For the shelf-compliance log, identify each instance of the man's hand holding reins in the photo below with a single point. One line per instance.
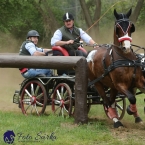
(95, 45)
(70, 42)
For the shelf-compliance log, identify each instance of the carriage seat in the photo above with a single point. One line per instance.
(61, 49)
(64, 51)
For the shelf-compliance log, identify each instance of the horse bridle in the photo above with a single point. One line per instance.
(125, 37)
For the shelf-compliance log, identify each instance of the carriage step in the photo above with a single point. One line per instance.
(16, 97)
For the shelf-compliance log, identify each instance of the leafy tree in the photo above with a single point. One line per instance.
(137, 10)
(141, 17)
(20, 16)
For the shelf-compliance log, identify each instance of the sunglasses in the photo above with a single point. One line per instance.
(67, 21)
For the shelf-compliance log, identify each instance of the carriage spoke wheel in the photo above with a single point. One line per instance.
(33, 98)
(120, 107)
(61, 100)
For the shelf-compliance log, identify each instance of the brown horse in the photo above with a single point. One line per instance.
(114, 67)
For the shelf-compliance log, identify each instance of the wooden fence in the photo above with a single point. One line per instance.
(57, 62)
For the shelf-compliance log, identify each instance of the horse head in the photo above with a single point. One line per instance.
(122, 30)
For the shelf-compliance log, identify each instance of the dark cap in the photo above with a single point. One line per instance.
(32, 33)
(68, 16)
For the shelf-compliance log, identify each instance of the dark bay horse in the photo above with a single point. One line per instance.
(114, 67)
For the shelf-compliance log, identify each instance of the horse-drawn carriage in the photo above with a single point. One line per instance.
(115, 71)
(58, 92)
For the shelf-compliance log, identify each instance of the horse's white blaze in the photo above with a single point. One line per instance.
(91, 55)
(126, 44)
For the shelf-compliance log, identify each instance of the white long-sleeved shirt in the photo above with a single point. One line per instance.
(31, 47)
(58, 37)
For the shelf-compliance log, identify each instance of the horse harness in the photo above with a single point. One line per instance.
(125, 62)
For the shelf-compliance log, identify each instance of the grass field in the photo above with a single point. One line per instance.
(50, 129)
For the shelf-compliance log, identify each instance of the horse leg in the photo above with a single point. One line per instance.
(109, 102)
(132, 109)
(101, 92)
(112, 109)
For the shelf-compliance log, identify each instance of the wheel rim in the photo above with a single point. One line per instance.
(120, 107)
(61, 100)
(33, 98)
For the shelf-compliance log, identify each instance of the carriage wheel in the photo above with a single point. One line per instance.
(33, 98)
(120, 107)
(61, 100)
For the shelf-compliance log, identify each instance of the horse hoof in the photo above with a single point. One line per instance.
(128, 111)
(118, 124)
(138, 120)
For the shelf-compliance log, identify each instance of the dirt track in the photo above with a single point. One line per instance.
(10, 78)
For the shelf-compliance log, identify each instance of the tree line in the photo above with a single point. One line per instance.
(45, 16)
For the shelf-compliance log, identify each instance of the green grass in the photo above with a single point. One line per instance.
(65, 130)
(98, 131)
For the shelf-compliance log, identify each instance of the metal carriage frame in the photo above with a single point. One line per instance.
(58, 92)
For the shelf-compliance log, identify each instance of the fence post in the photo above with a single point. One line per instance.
(81, 114)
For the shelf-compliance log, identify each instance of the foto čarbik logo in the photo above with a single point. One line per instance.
(9, 136)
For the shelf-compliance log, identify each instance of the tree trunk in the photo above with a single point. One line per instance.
(92, 29)
(86, 13)
(136, 11)
(97, 16)
(48, 19)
